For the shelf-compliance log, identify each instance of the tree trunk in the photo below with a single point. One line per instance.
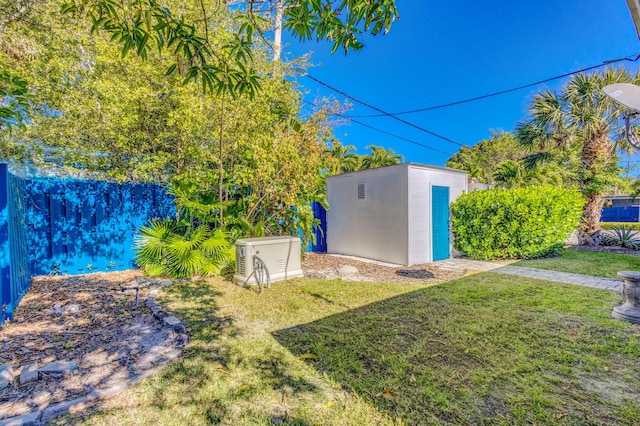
(590, 232)
(596, 153)
(220, 163)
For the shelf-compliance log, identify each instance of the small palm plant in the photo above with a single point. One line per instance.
(622, 236)
(191, 244)
(176, 249)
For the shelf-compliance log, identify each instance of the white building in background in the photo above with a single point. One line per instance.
(397, 214)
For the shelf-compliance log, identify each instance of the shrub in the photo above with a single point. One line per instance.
(623, 236)
(177, 249)
(192, 244)
(524, 222)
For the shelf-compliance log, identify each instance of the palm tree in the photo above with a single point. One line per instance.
(508, 174)
(344, 157)
(581, 118)
(380, 157)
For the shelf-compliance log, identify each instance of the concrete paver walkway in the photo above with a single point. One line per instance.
(540, 274)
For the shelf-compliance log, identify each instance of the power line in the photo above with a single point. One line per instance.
(385, 132)
(398, 137)
(630, 58)
(384, 113)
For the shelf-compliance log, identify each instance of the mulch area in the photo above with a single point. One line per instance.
(85, 319)
(373, 272)
(608, 249)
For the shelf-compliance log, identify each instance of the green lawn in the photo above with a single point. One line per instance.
(483, 349)
(586, 262)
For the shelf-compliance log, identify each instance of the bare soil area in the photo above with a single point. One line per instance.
(87, 320)
(608, 249)
(326, 266)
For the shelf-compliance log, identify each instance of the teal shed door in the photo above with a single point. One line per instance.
(440, 222)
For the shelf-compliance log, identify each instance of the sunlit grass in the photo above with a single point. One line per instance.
(484, 349)
(600, 264)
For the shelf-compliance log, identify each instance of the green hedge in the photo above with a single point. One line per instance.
(610, 225)
(515, 223)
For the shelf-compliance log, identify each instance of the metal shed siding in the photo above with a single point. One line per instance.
(420, 181)
(374, 227)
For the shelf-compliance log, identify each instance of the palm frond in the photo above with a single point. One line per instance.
(215, 243)
(537, 159)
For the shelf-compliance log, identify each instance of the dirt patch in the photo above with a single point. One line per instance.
(327, 266)
(83, 319)
(609, 388)
(608, 249)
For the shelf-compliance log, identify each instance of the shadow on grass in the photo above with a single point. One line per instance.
(483, 349)
(204, 386)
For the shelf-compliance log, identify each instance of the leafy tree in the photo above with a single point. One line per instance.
(143, 25)
(580, 119)
(509, 174)
(14, 99)
(343, 159)
(124, 117)
(194, 52)
(484, 158)
(380, 157)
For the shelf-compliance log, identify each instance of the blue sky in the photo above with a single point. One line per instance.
(440, 52)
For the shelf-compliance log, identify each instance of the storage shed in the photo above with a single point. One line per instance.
(397, 214)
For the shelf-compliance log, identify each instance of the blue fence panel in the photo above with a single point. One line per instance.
(19, 264)
(50, 225)
(5, 249)
(620, 214)
(320, 231)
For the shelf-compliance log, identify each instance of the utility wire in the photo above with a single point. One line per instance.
(384, 131)
(398, 137)
(630, 58)
(384, 113)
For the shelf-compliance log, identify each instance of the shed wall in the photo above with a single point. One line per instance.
(420, 181)
(374, 227)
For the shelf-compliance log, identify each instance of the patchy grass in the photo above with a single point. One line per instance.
(600, 264)
(483, 349)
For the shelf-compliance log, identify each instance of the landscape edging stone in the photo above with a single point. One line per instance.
(39, 417)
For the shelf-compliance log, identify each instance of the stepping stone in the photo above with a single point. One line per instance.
(106, 392)
(171, 321)
(29, 373)
(24, 420)
(71, 309)
(175, 323)
(59, 367)
(346, 270)
(71, 406)
(6, 375)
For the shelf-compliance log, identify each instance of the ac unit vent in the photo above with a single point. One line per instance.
(278, 266)
(241, 261)
(361, 191)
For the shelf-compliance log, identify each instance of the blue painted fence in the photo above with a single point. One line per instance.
(51, 225)
(620, 214)
(320, 231)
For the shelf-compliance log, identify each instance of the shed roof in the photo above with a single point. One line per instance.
(409, 164)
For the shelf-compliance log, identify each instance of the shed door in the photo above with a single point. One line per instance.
(440, 222)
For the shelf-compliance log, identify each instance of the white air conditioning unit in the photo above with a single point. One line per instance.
(281, 256)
